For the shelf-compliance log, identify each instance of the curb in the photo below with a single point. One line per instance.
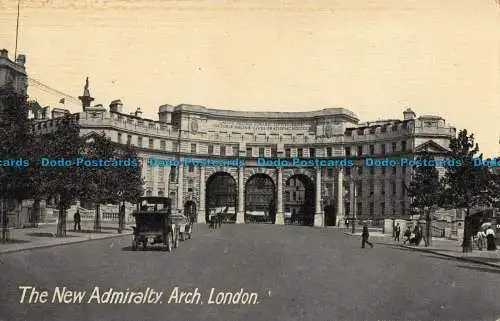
(459, 258)
(44, 246)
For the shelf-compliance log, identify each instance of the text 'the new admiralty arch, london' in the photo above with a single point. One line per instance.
(251, 193)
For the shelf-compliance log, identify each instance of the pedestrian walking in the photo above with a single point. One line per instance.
(347, 224)
(77, 220)
(407, 235)
(397, 232)
(490, 239)
(364, 237)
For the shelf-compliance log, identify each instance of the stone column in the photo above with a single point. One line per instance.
(201, 209)
(180, 186)
(340, 199)
(318, 213)
(240, 215)
(280, 217)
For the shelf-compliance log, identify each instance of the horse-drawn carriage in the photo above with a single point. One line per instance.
(156, 224)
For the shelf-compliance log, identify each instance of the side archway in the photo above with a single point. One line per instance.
(221, 196)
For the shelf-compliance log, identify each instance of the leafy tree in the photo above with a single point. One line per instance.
(15, 133)
(98, 182)
(424, 191)
(128, 181)
(64, 181)
(468, 185)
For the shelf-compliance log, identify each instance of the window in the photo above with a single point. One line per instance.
(372, 208)
(372, 186)
(382, 208)
(139, 141)
(359, 208)
(236, 151)
(210, 149)
(348, 151)
(382, 187)
(151, 143)
(119, 138)
(383, 170)
(163, 145)
(328, 152)
(287, 196)
(191, 168)
(403, 146)
(261, 151)
(249, 151)
(382, 149)
(190, 185)
(193, 148)
(359, 189)
(223, 150)
(394, 147)
(129, 139)
(360, 170)
(372, 170)
(360, 150)
(274, 152)
(174, 146)
(330, 172)
(372, 149)
(312, 152)
(394, 170)
(393, 187)
(348, 171)
(294, 196)
(173, 173)
(288, 153)
(299, 152)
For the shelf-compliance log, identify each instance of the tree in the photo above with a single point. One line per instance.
(64, 144)
(98, 181)
(468, 185)
(128, 181)
(424, 191)
(15, 133)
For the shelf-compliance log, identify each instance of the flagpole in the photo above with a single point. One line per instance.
(17, 29)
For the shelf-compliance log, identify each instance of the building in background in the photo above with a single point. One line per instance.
(295, 195)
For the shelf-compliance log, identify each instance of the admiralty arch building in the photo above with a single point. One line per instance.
(308, 195)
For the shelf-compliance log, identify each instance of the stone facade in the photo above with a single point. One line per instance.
(189, 131)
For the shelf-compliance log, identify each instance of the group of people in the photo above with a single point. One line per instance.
(414, 237)
(489, 235)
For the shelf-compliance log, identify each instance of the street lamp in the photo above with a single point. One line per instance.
(355, 208)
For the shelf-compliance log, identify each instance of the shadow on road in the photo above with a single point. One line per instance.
(14, 241)
(148, 249)
(481, 269)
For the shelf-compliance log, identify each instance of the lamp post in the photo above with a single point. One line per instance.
(355, 208)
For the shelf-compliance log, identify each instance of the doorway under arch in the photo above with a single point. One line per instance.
(298, 201)
(190, 211)
(221, 196)
(260, 199)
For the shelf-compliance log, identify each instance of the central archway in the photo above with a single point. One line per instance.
(299, 200)
(260, 203)
(221, 196)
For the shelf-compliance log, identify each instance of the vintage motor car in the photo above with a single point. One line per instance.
(155, 224)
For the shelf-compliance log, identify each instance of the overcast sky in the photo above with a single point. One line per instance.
(375, 58)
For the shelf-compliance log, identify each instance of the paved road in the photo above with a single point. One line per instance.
(298, 273)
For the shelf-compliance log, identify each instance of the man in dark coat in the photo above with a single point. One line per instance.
(77, 220)
(364, 237)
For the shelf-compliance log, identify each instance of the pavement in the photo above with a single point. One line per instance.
(296, 273)
(442, 247)
(45, 236)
